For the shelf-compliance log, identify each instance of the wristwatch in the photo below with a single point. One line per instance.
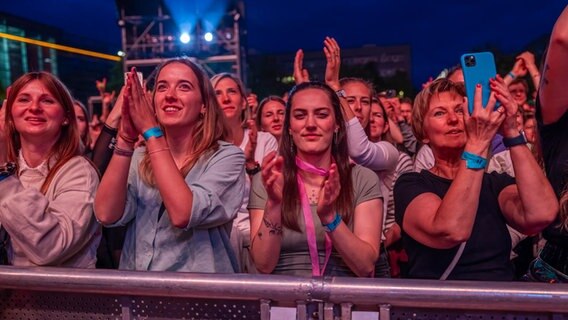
(341, 93)
(7, 170)
(511, 142)
(254, 170)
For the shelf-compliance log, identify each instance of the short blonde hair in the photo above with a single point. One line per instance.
(422, 102)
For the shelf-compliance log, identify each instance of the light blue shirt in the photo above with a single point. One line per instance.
(217, 183)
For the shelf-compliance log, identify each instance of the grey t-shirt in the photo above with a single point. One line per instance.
(294, 253)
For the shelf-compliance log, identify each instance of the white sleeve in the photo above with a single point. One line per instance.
(376, 156)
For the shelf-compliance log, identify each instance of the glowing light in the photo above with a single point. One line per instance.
(120, 53)
(60, 47)
(208, 36)
(185, 38)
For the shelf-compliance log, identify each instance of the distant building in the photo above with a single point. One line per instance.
(78, 72)
(272, 74)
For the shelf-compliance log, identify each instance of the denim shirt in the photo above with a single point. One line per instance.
(217, 183)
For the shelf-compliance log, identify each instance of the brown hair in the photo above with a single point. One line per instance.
(423, 98)
(339, 151)
(68, 144)
(263, 103)
(205, 134)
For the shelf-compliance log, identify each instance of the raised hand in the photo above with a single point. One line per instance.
(332, 54)
(482, 125)
(427, 83)
(328, 195)
(300, 74)
(250, 148)
(252, 102)
(509, 127)
(140, 108)
(519, 68)
(272, 176)
(101, 85)
(528, 58)
(113, 118)
(127, 130)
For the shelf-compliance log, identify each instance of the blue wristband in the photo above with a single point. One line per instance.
(332, 225)
(473, 161)
(512, 75)
(152, 132)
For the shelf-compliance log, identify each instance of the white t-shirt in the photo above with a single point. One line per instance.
(265, 143)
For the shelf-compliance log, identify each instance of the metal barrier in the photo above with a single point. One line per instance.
(42, 293)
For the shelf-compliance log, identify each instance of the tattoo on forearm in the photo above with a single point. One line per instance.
(273, 228)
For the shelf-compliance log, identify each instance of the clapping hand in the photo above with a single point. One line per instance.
(328, 194)
(300, 74)
(332, 54)
(273, 177)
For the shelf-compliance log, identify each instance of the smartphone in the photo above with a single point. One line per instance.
(140, 78)
(478, 68)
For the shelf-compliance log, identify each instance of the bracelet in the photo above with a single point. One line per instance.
(254, 170)
(155, 132)
(512, 75)
(159, 150)
(127, 139)
(330, 227)
(473, 161)
(122, 152)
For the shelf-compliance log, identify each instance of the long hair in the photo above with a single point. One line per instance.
(86, 140)
(261, 105)
(245, 114)
(68, 144)
(205, 134)
(339, 152)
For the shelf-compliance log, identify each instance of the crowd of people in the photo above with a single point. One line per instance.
(332, 179)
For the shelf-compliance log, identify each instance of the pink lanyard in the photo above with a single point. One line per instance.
(310, 228)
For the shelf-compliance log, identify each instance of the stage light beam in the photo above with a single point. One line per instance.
(185, 38)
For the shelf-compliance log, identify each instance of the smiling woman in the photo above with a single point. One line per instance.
(48, 189)
(184, 188)
(334, 228)
(454, 217)
(242, 132)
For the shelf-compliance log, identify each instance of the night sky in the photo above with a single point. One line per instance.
(438, 31)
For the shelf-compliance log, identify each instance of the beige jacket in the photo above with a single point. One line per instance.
(55, 229)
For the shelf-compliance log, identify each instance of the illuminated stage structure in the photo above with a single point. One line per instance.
(210, 31)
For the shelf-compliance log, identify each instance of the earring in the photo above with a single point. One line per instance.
(65, 122)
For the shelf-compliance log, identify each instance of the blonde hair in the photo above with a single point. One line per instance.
(205, 134)
(68, 144)
(220, 76)
(422, 102)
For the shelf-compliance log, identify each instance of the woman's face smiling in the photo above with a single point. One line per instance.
(37, 113)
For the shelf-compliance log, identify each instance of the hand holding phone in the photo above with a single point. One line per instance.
(478, 68)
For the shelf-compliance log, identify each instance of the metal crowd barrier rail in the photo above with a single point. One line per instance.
(41, 293)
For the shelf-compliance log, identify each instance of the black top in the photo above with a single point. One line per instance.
(554, 141)
(486, 254)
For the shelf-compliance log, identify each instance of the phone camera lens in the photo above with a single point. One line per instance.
(470, 61)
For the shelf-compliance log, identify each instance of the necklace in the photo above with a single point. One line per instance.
(313, 196)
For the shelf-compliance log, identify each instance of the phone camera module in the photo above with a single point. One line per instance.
(470, 61)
